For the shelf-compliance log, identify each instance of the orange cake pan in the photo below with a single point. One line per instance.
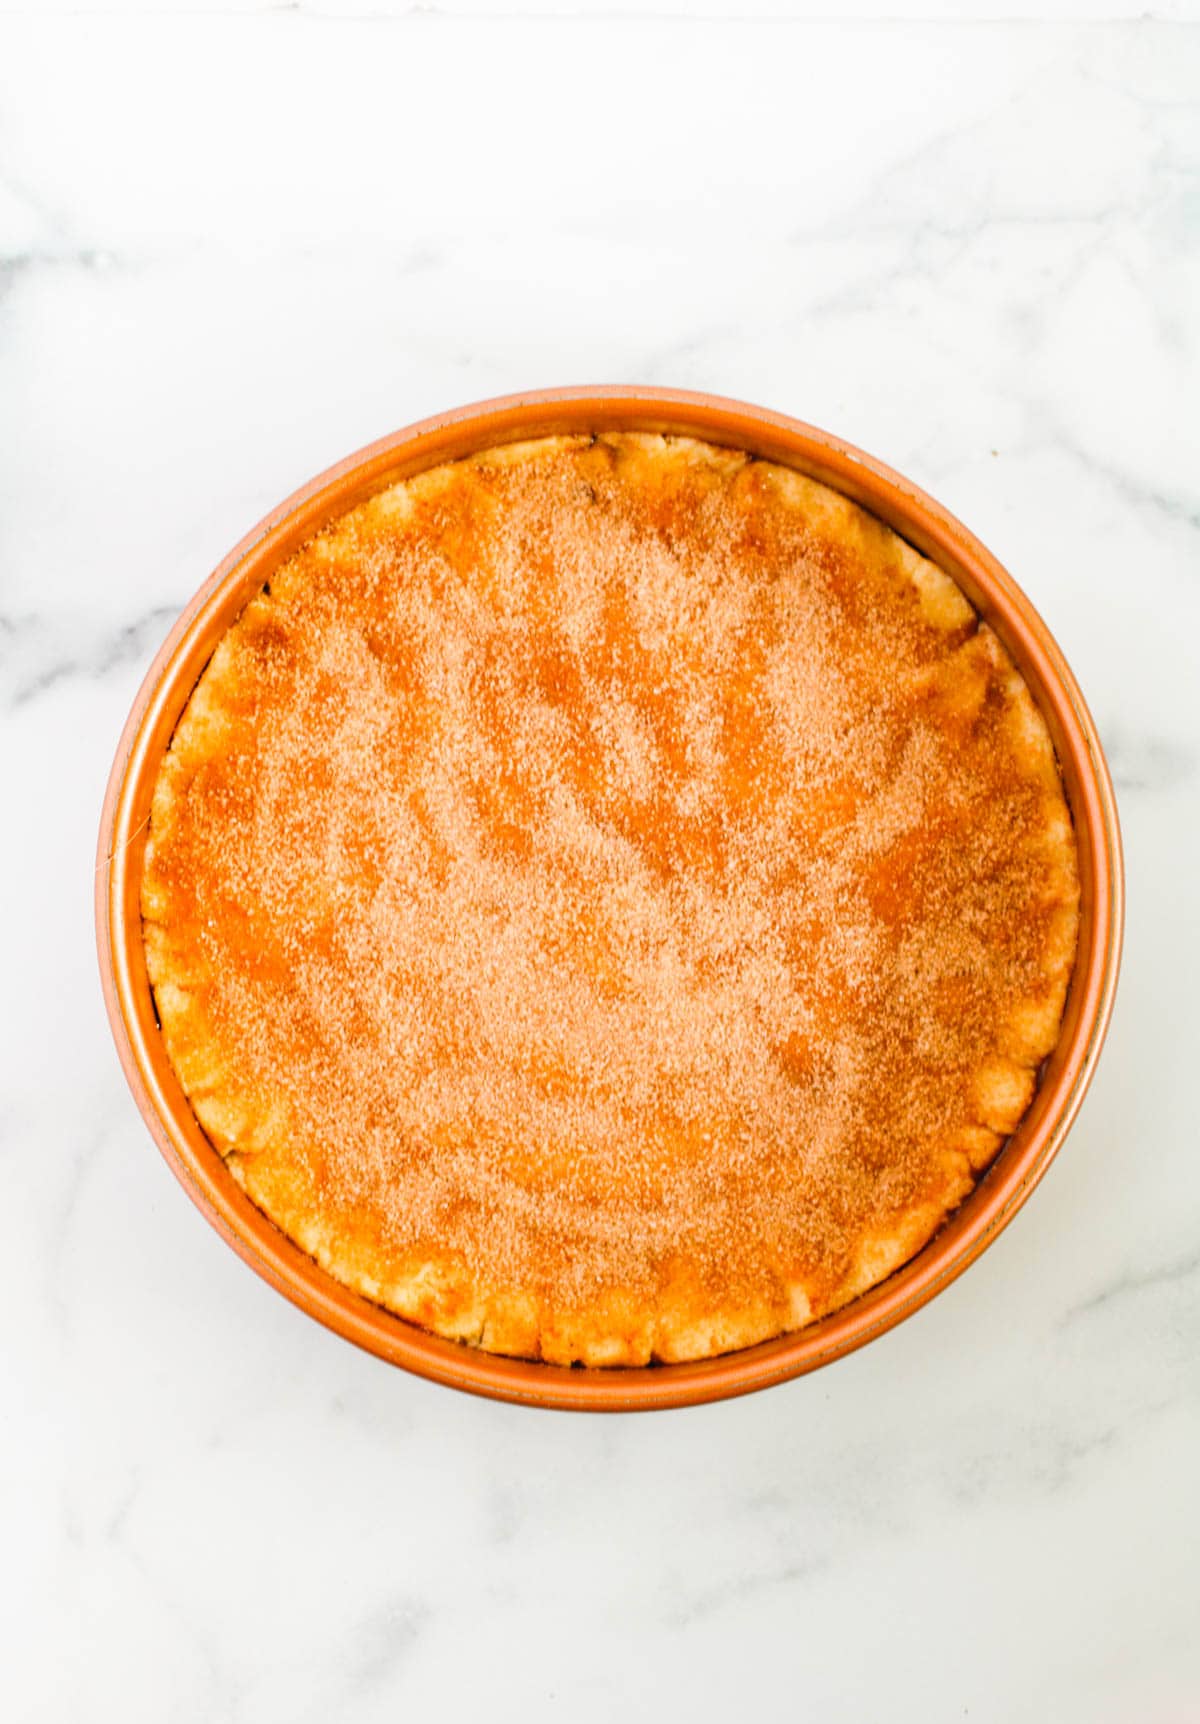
(186, 651)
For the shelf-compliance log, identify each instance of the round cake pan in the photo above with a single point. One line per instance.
(182, 658)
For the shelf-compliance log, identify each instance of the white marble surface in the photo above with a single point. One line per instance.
(234, 247)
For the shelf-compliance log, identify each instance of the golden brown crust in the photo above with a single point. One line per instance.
(609, 899)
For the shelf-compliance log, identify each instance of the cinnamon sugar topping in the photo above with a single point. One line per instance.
(615, 867)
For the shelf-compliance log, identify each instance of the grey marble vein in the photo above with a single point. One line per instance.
(693, 1603)
(38, 653)
(1148, 763)
(1169, 1274)
(383, 1641)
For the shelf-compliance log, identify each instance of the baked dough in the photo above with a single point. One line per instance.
(608, 899)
